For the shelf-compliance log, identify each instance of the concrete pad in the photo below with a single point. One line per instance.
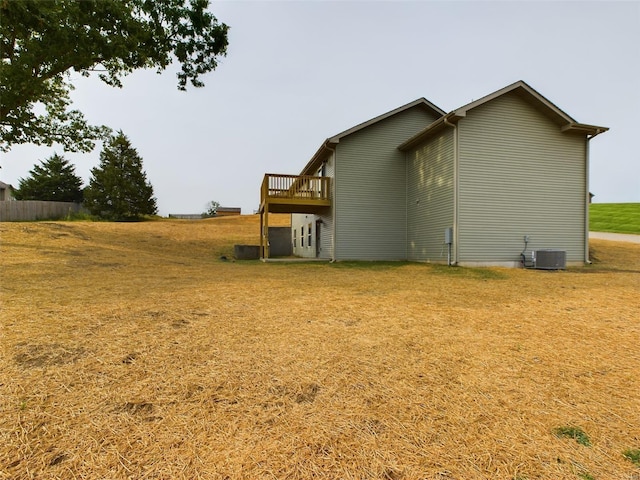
(615, 237)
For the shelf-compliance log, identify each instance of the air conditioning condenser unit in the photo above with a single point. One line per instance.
(550, 259)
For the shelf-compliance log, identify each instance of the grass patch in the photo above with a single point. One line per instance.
(576, 433)
(614, 217)
(633, 454)
(444, 270)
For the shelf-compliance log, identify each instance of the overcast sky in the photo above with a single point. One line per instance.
(298, 72)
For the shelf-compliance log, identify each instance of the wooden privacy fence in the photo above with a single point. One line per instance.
(29, 210)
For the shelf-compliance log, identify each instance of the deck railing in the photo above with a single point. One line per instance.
(294, 187)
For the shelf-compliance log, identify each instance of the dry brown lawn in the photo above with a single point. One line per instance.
(133, 351)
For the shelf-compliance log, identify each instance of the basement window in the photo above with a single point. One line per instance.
(302, 236)
(295, 233)
(309, 235)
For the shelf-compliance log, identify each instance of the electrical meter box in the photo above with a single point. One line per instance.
(448, 235)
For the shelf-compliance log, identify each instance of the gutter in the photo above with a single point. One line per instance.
(589, 130)
(597, 131)
(327, 147)
(420, 136)
(332, 149)
(587, 260)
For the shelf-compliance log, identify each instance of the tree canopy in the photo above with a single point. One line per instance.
(211, 209)
(42, 42)
(54, 180)
(118, 188)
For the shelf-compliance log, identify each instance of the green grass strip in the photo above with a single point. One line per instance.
(614, 217)
(633, 455)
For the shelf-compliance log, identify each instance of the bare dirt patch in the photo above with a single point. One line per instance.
(132, 351)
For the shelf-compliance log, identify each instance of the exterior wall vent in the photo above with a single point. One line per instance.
(550, 259)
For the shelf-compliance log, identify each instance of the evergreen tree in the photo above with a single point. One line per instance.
(54, 180)
(118, 189)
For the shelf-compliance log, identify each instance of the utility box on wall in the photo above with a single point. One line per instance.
(246, 252)
(448, 235)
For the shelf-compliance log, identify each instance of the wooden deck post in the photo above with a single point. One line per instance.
(266, 231)
(261, 238)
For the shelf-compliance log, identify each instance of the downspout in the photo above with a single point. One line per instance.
(455, 189)
(587, 202)
(406, 206)
(587, 260)
(333, 203)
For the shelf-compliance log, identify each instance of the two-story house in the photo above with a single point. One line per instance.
(476, 186)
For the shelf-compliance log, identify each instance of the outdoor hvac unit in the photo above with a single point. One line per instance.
(550, 259)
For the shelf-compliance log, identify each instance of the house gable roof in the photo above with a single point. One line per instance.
(524, 91)
(327, 146)
(421, 101)
(527, 93)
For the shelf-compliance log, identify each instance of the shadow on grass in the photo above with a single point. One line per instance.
(428, 268)
(434, 269)
(471, 272)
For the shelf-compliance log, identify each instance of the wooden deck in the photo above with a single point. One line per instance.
(294, 193)
(290, 194)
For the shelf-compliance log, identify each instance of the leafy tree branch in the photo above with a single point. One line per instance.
(42, 42)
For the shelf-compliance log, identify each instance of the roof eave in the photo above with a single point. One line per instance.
(522, 87)
(436, 126)
(562, 118)
(330, 143)
(583, 128)
(321, 154)
(421, 101)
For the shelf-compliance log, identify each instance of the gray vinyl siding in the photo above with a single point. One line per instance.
(518, 175)
(370, 188)
(299, 220)
(308, 249)
(430, 190)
